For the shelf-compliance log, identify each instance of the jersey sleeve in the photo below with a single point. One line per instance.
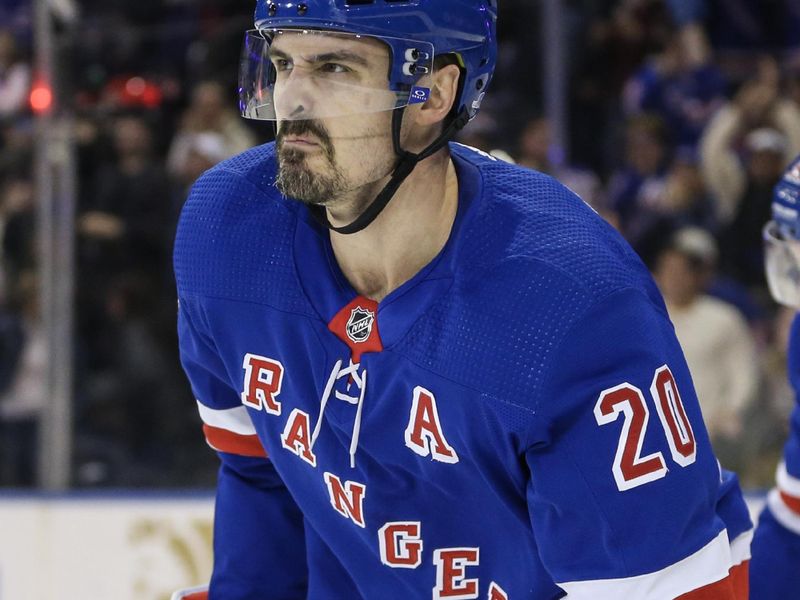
(259, 549)
(788, 476)
(226, 423)
(625, 495)
(776, 546)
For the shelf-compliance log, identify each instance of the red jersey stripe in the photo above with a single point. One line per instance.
(734, 587)
(234, 443)
(197, 593)
(791, 502)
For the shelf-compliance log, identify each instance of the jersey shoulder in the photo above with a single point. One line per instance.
(235, 235)
(533, 262)
(529, 218)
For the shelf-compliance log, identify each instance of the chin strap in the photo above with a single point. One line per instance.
(408, 161)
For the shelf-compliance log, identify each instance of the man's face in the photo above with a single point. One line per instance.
(334, 131)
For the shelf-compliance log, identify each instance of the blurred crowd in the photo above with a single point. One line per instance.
(682, 115)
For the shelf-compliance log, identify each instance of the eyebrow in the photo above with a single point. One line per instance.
(340, 56)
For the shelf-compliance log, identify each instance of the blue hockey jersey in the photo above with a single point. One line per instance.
(515, 421)
(775, 569)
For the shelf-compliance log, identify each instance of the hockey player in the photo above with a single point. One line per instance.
(428, 373)
(776, 545)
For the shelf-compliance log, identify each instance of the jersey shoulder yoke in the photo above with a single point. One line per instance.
(236, 233)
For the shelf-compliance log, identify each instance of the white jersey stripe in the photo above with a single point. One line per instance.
(787, 483)
(235, 420)
(740, 548)
(706, 566)
(782, 513)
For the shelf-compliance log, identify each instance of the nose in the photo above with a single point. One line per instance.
(294, 96)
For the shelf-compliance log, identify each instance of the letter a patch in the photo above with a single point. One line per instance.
(296, 437)
(424, 433)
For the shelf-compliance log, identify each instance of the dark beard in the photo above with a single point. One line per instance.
(295, 179)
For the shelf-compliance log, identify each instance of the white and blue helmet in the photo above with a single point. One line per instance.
(782, 239)
(415, 32)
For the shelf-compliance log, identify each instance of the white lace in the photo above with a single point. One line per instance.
(360, 379)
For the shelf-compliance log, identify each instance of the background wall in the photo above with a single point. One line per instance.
(120, 547)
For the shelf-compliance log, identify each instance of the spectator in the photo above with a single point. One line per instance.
(15, 78)
(680, 201)
(17, 223)
(681, 84)
(716, 341)
(639, 187)
(24, 400)
(757, 104)
(765, 155)
(124, 226)
(128, 219)
(686, 200)
(208, 112)
(618, 38)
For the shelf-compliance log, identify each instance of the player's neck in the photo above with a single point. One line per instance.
(406, 236)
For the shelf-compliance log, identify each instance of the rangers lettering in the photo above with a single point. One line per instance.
(262, 383)
(424, 433)
(451, 581)
(496, 592)
(296, 437)
(401, 544)
(347, 499)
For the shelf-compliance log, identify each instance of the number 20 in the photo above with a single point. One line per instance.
(631, 469)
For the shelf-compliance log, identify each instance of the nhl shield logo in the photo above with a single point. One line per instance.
(359, 326)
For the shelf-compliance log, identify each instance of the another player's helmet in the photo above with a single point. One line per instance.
(415, 31)
(782, 239)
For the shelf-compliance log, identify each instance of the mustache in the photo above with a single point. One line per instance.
(305, 127)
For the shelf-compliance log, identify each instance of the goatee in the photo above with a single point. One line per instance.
(295, 178)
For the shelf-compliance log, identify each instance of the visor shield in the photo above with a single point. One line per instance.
(782, 262)
(299, 74)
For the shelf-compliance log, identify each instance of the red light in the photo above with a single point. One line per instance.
(41, 98)
(136, 86)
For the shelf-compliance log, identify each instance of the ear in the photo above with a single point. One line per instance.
(444, 89)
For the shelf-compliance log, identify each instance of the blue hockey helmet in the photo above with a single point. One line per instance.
(415, 31)
(782, 239)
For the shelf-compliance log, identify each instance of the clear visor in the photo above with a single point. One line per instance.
(782, 261)
(297, 74)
